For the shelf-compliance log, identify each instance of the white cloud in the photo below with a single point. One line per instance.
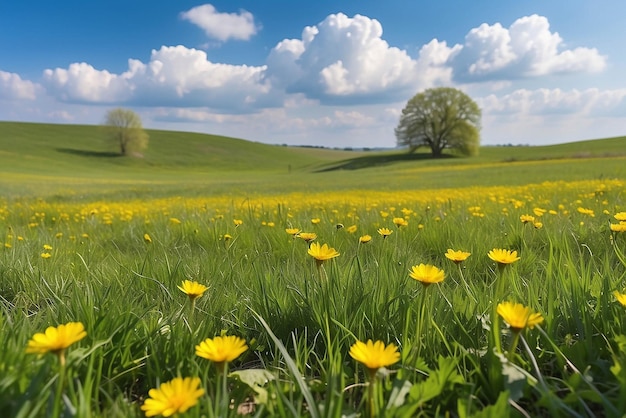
(222, 26)
(526, 49)
(12, 86)
(345, 60)
(174, 76)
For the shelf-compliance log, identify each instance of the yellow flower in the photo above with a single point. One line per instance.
(385, 232)
(7, 245)
(426, 274)
(237, 222)
(621, 297)
(192, 289)
(175, 221)
(227, 237)
(456, 256)
(399, 222)
(365, 239)
(222, 349)
(538, 225)
(46, 255)
(374, 355)
(47, 247)
(322, 253)
(308, 236)
(56, 340)
(315, 221)
(585, 211)
(147, 238)
(620, 227)
(292, 231)
(503, 257)
(173, 397)
(621, 216)
(351, 229)
(527, 218)
(518, 316)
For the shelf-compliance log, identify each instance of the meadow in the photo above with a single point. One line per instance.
(217, 277)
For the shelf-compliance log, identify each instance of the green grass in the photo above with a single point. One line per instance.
(457, 356)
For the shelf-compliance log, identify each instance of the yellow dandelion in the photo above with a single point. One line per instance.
(322, 253)
(147, 238)
(621, 297)
(175, 221)
(456, 256)
(385, 232)
(56, 339)
(400, 222)
(351, 229)
(518, 316)
(374, 355)
(620, 216)
(192, 289)
(426, 274)
(315, 221)
(527, 218)
(292, 231)
(503, 257)
(47, 247)
(620, 227)
(221, 349)
(46, 255)
(173, 397)
(308, 236)
(364, 239)
(238, 222)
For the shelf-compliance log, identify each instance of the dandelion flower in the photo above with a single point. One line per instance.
(308, 236)
(56, 339)
(46, 255)
(351, 229)
(175, 221)
(518, 316)
(385, 232)
(620, 216)
(527, 218)
(400, 222)
(620, 227)
(621, 297)
(292, 231)
(315, 221)
(173, 397)
(322, 253)
(192, 289)
(221, 349)
(456, 256)
(147, 238)
(426, 274)
(47, 247)
(227, 237)
(365, 239)
(374, 355)
(238, 222)
(503, 257)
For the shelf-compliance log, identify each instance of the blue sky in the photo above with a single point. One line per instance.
(325, 73)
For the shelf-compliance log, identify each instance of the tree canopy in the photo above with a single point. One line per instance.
(123, 126)
(440, 118)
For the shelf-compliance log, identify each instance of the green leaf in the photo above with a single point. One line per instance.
(255, 379)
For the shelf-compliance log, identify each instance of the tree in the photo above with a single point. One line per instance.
(123, 126)
(440, 118)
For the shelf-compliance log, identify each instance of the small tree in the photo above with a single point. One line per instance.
(440, 118)
(123, 126)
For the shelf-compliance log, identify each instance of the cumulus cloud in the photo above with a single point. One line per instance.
(174, 76)
(12, 86)
(222, 26)
(526, 49)
(553, 101)
(346, 60)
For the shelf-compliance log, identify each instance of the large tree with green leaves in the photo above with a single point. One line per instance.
(440, 118)
(124, 128)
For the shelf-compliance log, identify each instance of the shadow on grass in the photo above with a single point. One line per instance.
(379, 160)
(86, 153)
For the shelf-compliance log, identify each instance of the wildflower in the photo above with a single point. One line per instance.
(315, 221)
(456, 256)
(237, 222)
(46, 255)
(518, 316)
(584, 211)
(538, 225)
(308, 236)
(621, 297)
(56, 340)
(227, 237)
(539, 211)
(385, 232)
(400, 222)
(621, 216)
(7, 245)
(58, 235)
(175, 221)
(365, 239)
(47, 247)
(221, 349)
(426, 274)
(620, 227)
(374, 355)
(292, 231)
(173, 397)
(147, 239)
(527, 219)
(322, 253)
(192, 289)
(503, 257)
(351, 229)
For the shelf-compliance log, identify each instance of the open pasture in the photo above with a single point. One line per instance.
(111, 249)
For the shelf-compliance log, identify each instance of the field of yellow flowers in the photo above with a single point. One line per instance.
(470, 302)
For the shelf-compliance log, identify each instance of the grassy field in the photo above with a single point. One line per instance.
(108, 242)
